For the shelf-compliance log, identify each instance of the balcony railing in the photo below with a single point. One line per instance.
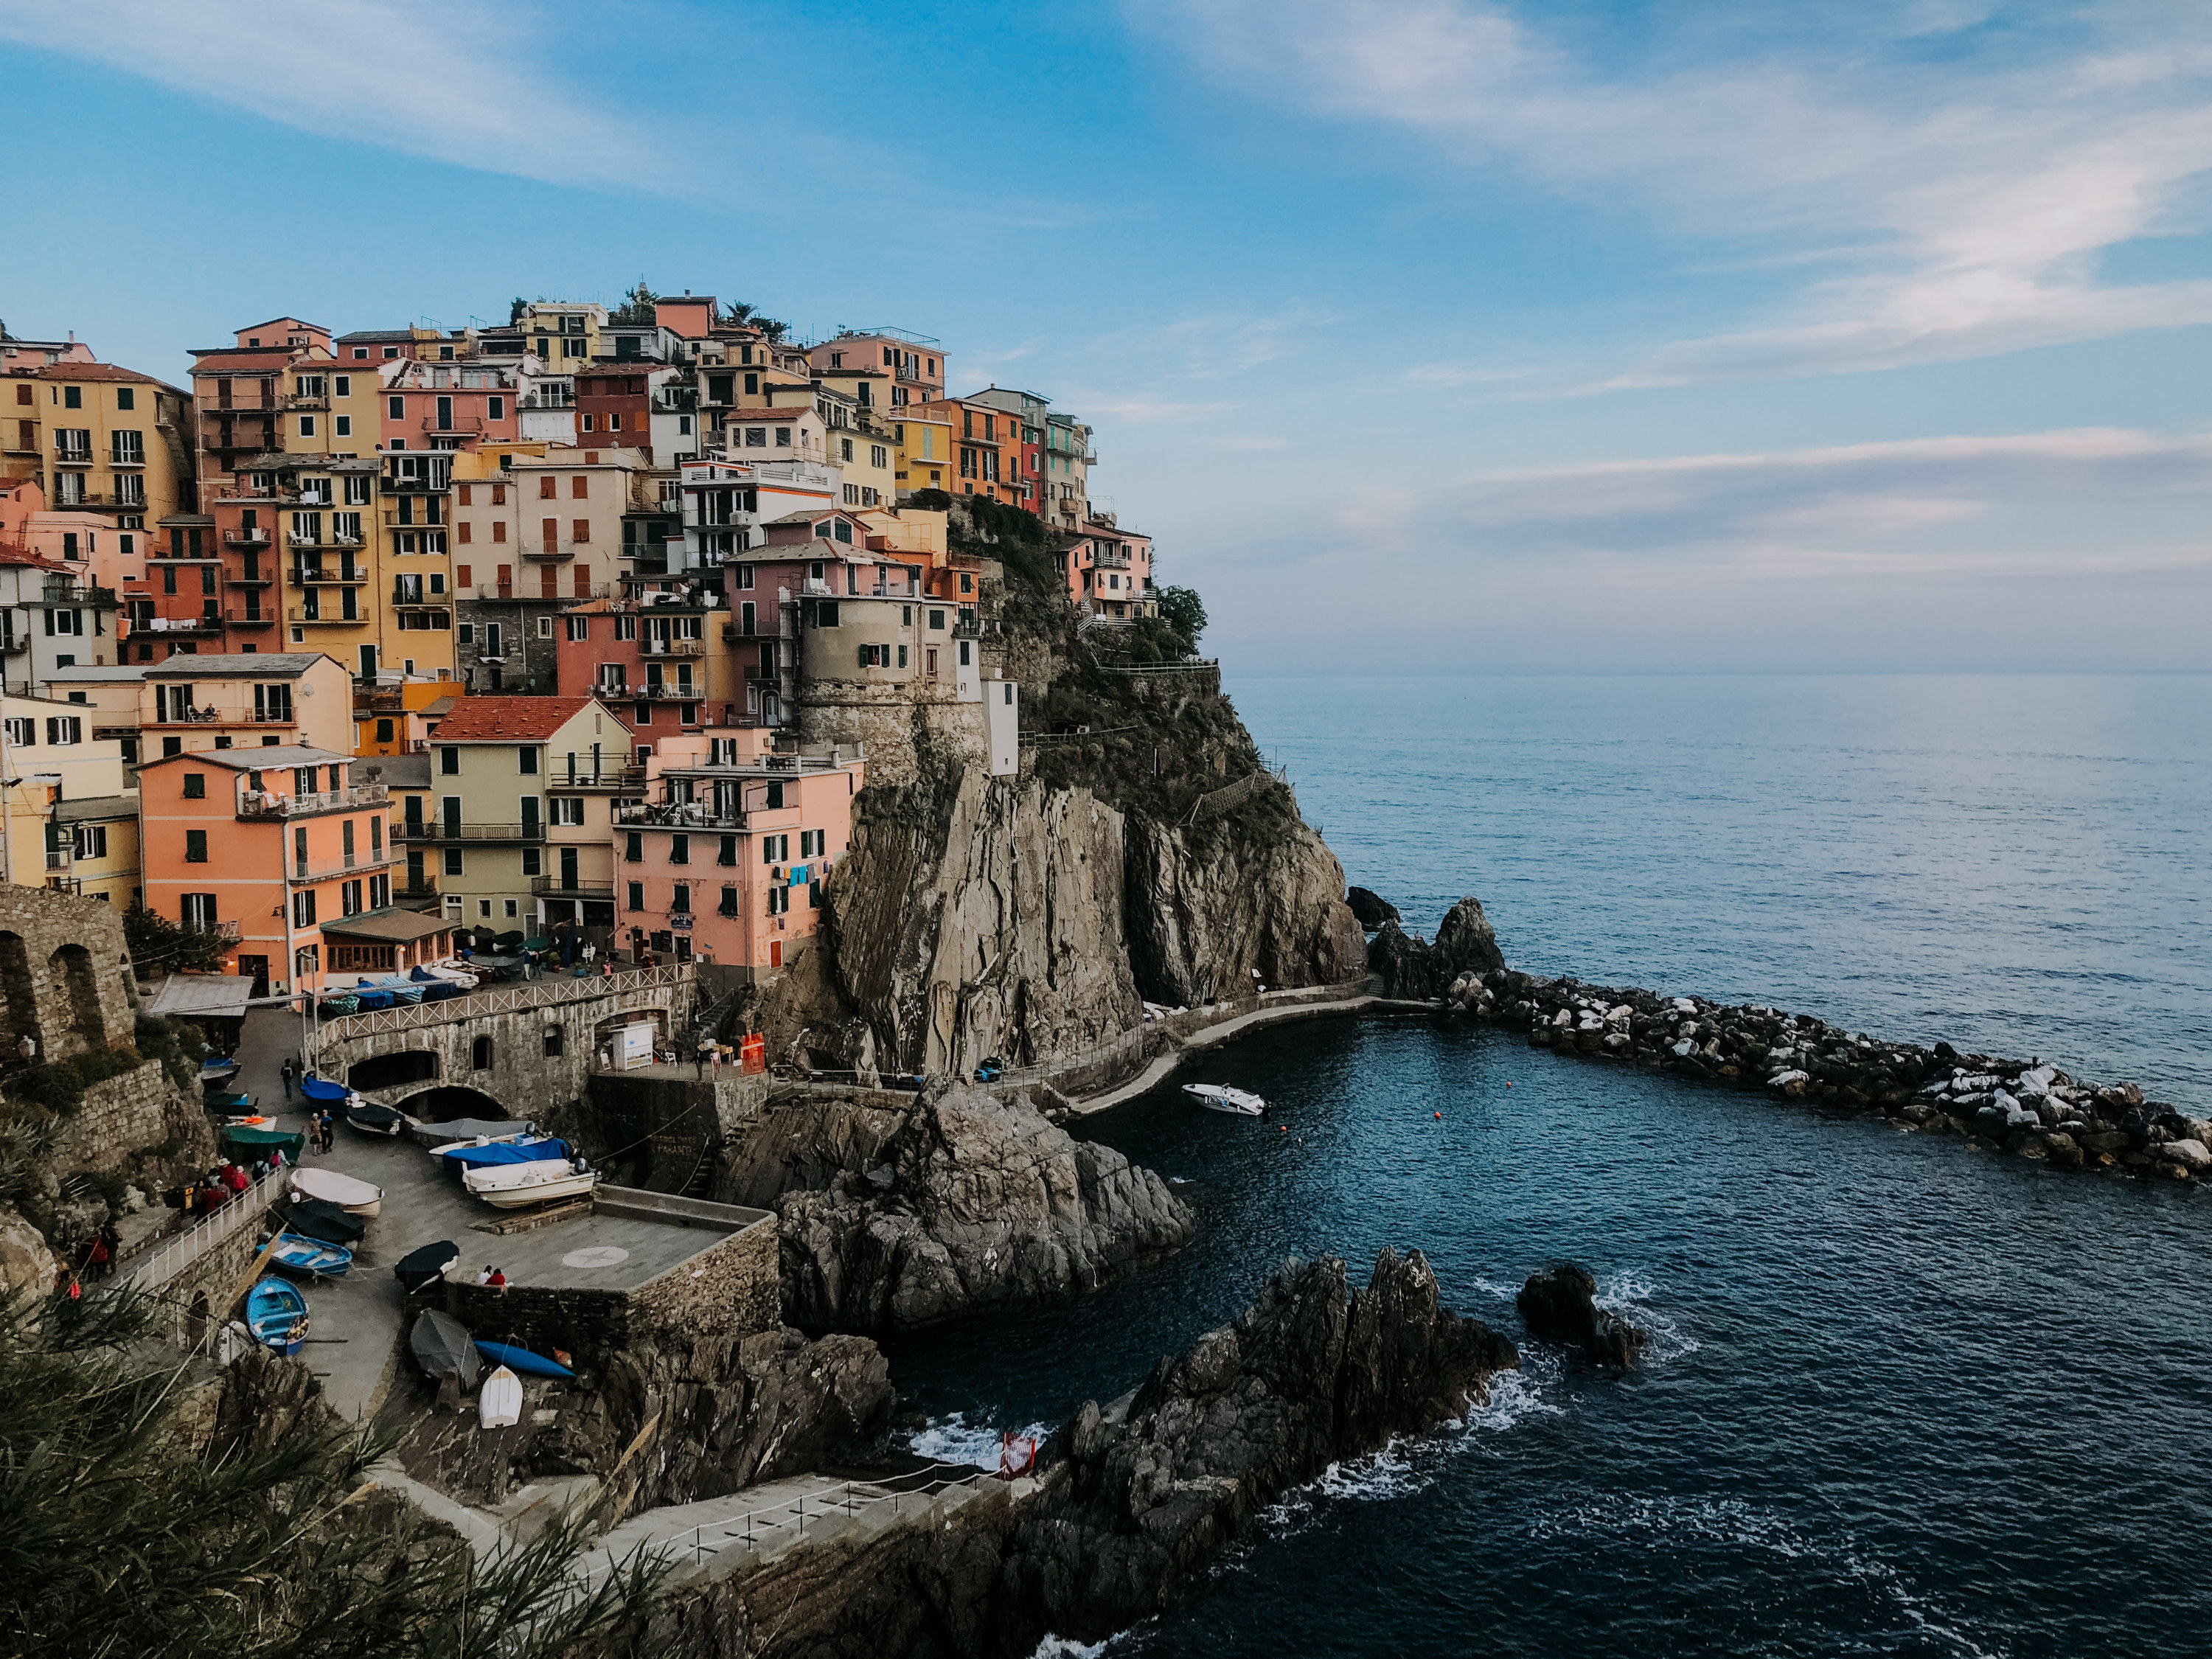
(544, 553)
(183, 627)
(264, 803)
(461, 832)
(216, 717)
(662, 814)
(225, 931)
(672, 648)
(666, 691)
(628, 777)
(460, 424)
(307, 575)
(298, 613)
(555, 887)
(70, 593)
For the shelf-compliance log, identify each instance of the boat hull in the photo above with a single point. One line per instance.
(522, 1360)
(499, 1404)
(537, 1192)
(1234, 1102)
(309, 1258)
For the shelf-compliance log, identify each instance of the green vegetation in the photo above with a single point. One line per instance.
(58, 1087)
(158, 945)
(174, 1043)
(751, 317)
(1183, 611)
(117, 1535)
(636, 307)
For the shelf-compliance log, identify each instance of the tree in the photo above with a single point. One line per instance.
(1183, 611)
(118, 1535)
(514, 311)
(159, 945)
(636, 307)
(746, 316)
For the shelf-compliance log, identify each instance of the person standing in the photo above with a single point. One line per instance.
(285, 1072)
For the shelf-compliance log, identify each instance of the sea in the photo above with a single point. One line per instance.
(1900, 1398)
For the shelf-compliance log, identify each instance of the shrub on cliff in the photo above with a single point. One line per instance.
(117, 1535)
(59, 1086)
(174, 1043)
(158, 945)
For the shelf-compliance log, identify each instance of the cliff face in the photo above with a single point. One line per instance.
(995, 931)
(1204, 918)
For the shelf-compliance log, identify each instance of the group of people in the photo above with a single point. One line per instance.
(491, 1277)
(226, 1181)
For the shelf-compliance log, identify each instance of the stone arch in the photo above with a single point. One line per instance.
(389, 1071)
(449, 1101)
(22, 992)
(71, 969)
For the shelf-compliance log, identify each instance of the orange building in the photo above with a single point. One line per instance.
(266, 847)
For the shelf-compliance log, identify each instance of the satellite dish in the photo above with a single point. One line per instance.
(307, 691)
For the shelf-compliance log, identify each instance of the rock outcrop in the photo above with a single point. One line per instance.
(1409, 966)
(994, 928)
(1208, 912)
(1134, 1498)
(979, 1204)
(1371, 909)
(1560, 1305)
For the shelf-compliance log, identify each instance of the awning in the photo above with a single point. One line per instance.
(390, 927)
(203, 996)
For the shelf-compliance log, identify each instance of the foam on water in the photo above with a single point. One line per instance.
(1627, 1295)
(953, 1439)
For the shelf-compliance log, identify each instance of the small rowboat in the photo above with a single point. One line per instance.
(294, 1252)
(276, 1314)
(374, 1120)
(218, 1072)
(500, 1405)
(354, 1197)
(442, 1348)
(320, 1218)
(521, 1359)
(1215, 1097)
(516, 1186)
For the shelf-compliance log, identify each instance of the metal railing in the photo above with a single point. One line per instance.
(509, 998)
(555, 887)
(178, 1252)
(836, 1504)
(269, 805)
(679, 817)
(461, 832)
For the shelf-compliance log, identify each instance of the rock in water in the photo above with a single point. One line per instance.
(1403, 962)
(1466, 943)
(1372, 908)
(1560, 1306)
(988, 1208)
(1136, 1501)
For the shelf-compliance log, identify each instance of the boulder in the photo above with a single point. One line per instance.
(1560, 1305)
(1466, 943)
(27, 1266)
(989, 1206)
(1405, 963)
(2192, 1155)
(1371, 909)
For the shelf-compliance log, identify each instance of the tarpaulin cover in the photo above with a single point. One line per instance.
(317, 1217)
(469, 1128)
(232, 1134)
(441, 1345)
(509, 1151)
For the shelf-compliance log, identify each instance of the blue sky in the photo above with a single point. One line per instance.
(1429, 336)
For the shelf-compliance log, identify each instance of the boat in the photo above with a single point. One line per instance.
(469, 1131)
(354, 1197)
(252, 1142)
(441, 1347)
(523, 1149)
(227, 1101)
(338, 1007)
(513, 1186)
(420, 1269)
(316, 1088)
(374, 1120)
(500, 1405)
(217, 1070)
(521, 1359)
(276, 1314)
(1215, 1098)
(317, 1217)
(296, 1253)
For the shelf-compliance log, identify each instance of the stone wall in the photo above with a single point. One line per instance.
(731, 1288)
(654, 1132)
(889, 720)
(65, 973)
(123, 1117)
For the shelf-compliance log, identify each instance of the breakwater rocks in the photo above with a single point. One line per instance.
(2024, 1106)
(1560, 1305)
(972, 1205)
(1133, 1498)
(1410, 967)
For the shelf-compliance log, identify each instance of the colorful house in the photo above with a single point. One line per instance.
(1109, 571)
(915, 362)
(69, 819)
(98, 439)
(286, 699)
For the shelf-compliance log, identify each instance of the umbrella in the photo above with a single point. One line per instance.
(427, 1266)
(320, 1218)
(441, 1345)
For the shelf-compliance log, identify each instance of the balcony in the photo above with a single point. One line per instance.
(304, 400)
(408, 591)
(226, 932)
(680, 691)
(70, 593)
(550, 555)
(215, 717)
(459, 426)
(451, 834)
(252, 579)
(616, 778)
(554, 887)
(298, 613)
(311, 575)
(180, 628)
(10, 646)
(264, 804)
(672, 648)
(680, 816)
(438, 483)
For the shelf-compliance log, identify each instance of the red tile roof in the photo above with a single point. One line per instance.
(765, 416)
(269, 357)
(87, 371)
(510, 719)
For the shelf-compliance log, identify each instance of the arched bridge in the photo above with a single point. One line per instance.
(525, 1047)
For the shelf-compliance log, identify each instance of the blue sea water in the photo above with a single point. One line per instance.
(1901, 1398)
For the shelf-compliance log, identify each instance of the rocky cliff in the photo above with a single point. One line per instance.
(978, 1205)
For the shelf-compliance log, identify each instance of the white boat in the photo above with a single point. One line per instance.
(512, 1186)
(500, 1405)
(354, 1197)
(1215, 1098)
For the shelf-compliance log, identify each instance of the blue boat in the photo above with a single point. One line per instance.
(530, 1151)
(294, 1252)
(276, 1314)
(370, 1001)
(438, 990)
(315, 1089)
(216, 1073)
(520, 1359)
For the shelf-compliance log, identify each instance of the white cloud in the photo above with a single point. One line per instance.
(1967, 202)
(450, 81)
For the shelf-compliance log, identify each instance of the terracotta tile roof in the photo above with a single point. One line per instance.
(219, 361)
(784, 414)
(511, 719)
(89, 372)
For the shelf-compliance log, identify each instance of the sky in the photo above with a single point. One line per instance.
(1426, 336)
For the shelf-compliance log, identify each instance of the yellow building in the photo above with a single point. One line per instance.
(564, 334)
(99, 438)
(67, 821)
(333, 407)
(923, 446)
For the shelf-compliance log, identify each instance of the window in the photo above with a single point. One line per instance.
(72, 397)
(633, 849)
(453, 860)
(396, 409)
(778, 899)
(545, 628)
(783, 437)
(480, 1054)
(525, 760)
(23, 733)
(774, 802)
(580, 529)
(579, 628)
(495, 407)
(878, 456)
(755, 437)
(745, 577)
(679, 897)
(533, 864)
(449, 760)
(91, 841)
(552, 1042)
(728, 855)
(729, 905)
(679, 849)
(774, 849)
(349, 899)
(580, 487)
(307, 426)
(125, 398)
(195, 786)
(196, 847)
(303, 909)
(64, 729)
(845, 449)
(810, 842)
(569, 809)
(637, 895)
